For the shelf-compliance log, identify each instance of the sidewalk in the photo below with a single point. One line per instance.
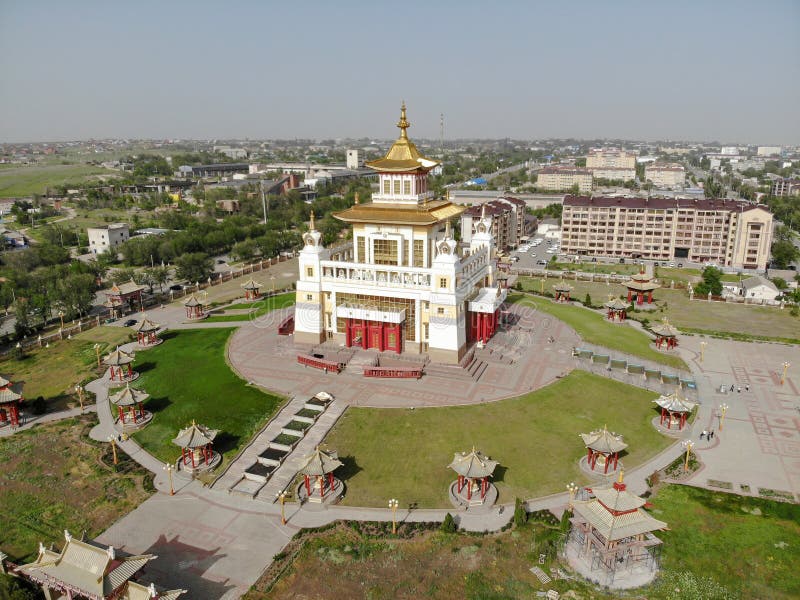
(6, 430)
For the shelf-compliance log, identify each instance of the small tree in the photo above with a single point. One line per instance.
(520, 514)
(588, 300)
(564, 525)
(449, 524)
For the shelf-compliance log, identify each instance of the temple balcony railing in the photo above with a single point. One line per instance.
(380, 276)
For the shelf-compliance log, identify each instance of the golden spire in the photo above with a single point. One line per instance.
(447, 230)
(312, 226)
(621, 475)
(356, 198)
(403, 124)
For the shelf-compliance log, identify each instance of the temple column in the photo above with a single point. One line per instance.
(605, 469)
(630, 295)
(469, 489)
(348, 332)
(308, 485)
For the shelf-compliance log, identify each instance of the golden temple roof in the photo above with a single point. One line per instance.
(665, 329)
(403, 156)
(473, 464)
(430, 213)
(603, 441)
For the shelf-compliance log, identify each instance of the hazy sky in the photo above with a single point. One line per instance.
(694, 69)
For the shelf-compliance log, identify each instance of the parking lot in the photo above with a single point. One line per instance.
(536, 254)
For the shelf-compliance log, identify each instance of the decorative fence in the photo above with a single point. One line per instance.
(319, 363)
(394, 372)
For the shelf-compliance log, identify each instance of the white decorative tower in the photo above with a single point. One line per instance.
(447, 333)
(308, 323)
(483, 238)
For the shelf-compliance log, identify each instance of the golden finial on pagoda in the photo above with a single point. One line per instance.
(403, 124)
(312, 226)
(447, 230)
(356, 198)
(621, 475)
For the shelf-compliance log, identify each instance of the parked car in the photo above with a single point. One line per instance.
(130, 323)
(541, 262)
(176, 288)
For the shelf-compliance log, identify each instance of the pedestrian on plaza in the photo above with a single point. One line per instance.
(731, 388)
(739, 389)
(747, 388)
(711, 435)
(702, 435)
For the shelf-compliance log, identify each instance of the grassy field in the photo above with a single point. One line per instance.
(188, 378)
(595, 329)
(404, 453)
(256, 309)
(25, 181)
(749, 546)
(694, 314)
(50, 372)
(54, 478)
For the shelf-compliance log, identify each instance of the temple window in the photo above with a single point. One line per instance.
(396, 187)
(442, 282)
(310, 271)
(407, 187)
(384, 252)
(386, 186)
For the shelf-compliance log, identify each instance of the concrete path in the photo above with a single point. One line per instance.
(6, 430)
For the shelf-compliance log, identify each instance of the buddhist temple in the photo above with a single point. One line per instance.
(196, 443)
(404, 284)
(675, 410)
(561, 292)
(120, 365)
(130, 414)
(602, 449)
(195, 307)
(617, 309)
(84, 569)
(611, 540)
(252, 289)
(474, 470)
(124, 298)
(666, 335)
(146, 332)
(10, 402)
(319, 467)
(641, 286)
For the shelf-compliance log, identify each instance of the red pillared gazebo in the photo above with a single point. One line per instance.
(129, 405)
(252, 289)
(603, 448)
(474, 470)
(120, 365)
(147, 332)
(675, 409)
(195, 307)
(196, 443)
(561, 292)
(9, 404)
(617, 309)
(319, 467)
(666, 335)
(640, 287)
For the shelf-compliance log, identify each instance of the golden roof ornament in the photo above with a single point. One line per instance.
(447, 230)
(403, 123)
(312, 227)
(356, 199)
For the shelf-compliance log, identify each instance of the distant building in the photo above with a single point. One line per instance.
(729, 150)
(665, 175)
(556, 179)
(759, 288)
(769, 150)
(786, 187)
(217, 170)
(610, 157)
(614, 173)
(355, 159)
(509, 224)
(103, 239)
(235, 153)
(732, 233)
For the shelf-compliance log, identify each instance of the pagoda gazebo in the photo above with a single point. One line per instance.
(602, 449)
(611, 540)
(640, 287)
(195, 307)
(252, 289)
(197, 455)
(9, 404)
(617, 309)
(666, 335)
(675, 410)
(120, 365)
(319, 485)
(147, 333)
(130, 414)
(86, 569)
(561, 292)
(473, 488)
(124, 297)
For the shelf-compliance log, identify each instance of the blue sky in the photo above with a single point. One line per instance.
(724, 70)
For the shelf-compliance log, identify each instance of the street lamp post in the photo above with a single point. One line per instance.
(393, 503)
(786, 366)
(281, 496)
(688, 444)
(168, 468)
(572, 489)
(61, 316)
(97, 353)
(723, 408)
(113, 441)
(79, 389)
(703, 350)
(272, 281)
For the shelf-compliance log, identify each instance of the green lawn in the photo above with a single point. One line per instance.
(404, 453)
(25, 181)
(595, 329)
(750, 545)
(188, 378)
(257, 309)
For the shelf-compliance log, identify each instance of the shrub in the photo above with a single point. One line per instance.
(520, 514)
(564, 525)
(449, 524)
(588, 300)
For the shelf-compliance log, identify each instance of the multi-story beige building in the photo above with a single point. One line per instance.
(558, 179)
(610, 157)
(786, 187)
(509, 223)
(730, 233)
(614, 173)
(668, 175)
(105, 239)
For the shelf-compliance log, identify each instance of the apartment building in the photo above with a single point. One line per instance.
(668, 175)
(730, 233)
(614, 173)
(610, 157)
(103, 239)
(786, 187)
(509, 224)
(558, 179)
